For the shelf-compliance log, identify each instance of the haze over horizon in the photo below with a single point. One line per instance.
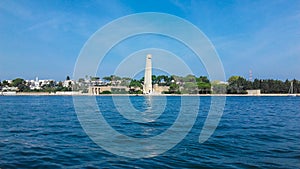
(44, 38)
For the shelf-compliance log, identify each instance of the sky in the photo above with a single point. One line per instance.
(42, 38)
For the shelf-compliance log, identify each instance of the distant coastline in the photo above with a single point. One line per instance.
(86, 94)
(172, 85)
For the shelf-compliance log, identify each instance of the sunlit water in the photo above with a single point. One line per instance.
(254, 132)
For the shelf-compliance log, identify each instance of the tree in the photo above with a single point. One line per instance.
(114, 78)
(203, 79)
(20, 84)
(174, 88)
(287, 85)
(107, 78)
(190, 78)
(106, 92)
(80, 80)
(60, 84)
(233, 79)
(159, 79)
(5, 83)
(127, 78)
(296, 85)
(237, 85)
(168, 80)
(256, 84)
(135, 83)
(218, 88)
(142, 80)
(94, 78)
(125, 81)
(135, 87)
(190, 88)
(204, 87)
(70, 84)
(154, 79)
(16, 82)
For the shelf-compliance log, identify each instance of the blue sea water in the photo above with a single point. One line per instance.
(254, 132)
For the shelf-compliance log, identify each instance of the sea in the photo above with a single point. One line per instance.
(48, 132)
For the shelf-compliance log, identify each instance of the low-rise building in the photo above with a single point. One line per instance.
(253, 92)
(160, 89)
(96, 90)
(68, 83)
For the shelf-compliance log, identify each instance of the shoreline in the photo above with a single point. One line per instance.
(86, 94)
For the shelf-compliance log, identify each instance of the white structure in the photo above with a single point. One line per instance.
(147, 88)
(96, 90)
(37, 84)
(253, 92)
(34, 84)
(68, 83)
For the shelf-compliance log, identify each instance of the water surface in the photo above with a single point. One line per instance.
(254, 132)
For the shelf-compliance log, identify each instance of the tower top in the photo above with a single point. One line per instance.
(149, 56)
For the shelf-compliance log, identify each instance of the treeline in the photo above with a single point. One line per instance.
(239, 85)
(189, 84)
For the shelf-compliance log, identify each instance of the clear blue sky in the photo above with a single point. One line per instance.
(44, 37)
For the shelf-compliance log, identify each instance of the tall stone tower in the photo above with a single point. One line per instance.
(147, 88)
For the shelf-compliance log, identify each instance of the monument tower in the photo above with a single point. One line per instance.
(147, 88)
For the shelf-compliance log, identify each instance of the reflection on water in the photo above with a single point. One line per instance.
(149, 114)
(148, 103)
(144, 110)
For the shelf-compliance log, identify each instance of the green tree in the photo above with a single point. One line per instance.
(142, 80)
(59, 87)
(5, 83)
(125, 81)
(160, 78)
(135, 83)
(16, 82)
(204, 87)
(118, 91)
(190, 78)
(154, 79)
(81, 80)
(94, 78)
(114, 77)
(60, 84)
(20, 84)
(219, 88)
(256, 84)
(233, 79)
(70, 84)
(106, 92)
(296, 84)
(107, 78)
(203, 79)
(174, 89)
(190, 88)
(237, 85)
(168, 80)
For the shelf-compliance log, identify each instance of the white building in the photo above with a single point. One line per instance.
(37, 84)
(68, 83)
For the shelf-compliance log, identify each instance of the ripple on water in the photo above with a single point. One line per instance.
(254, 132)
